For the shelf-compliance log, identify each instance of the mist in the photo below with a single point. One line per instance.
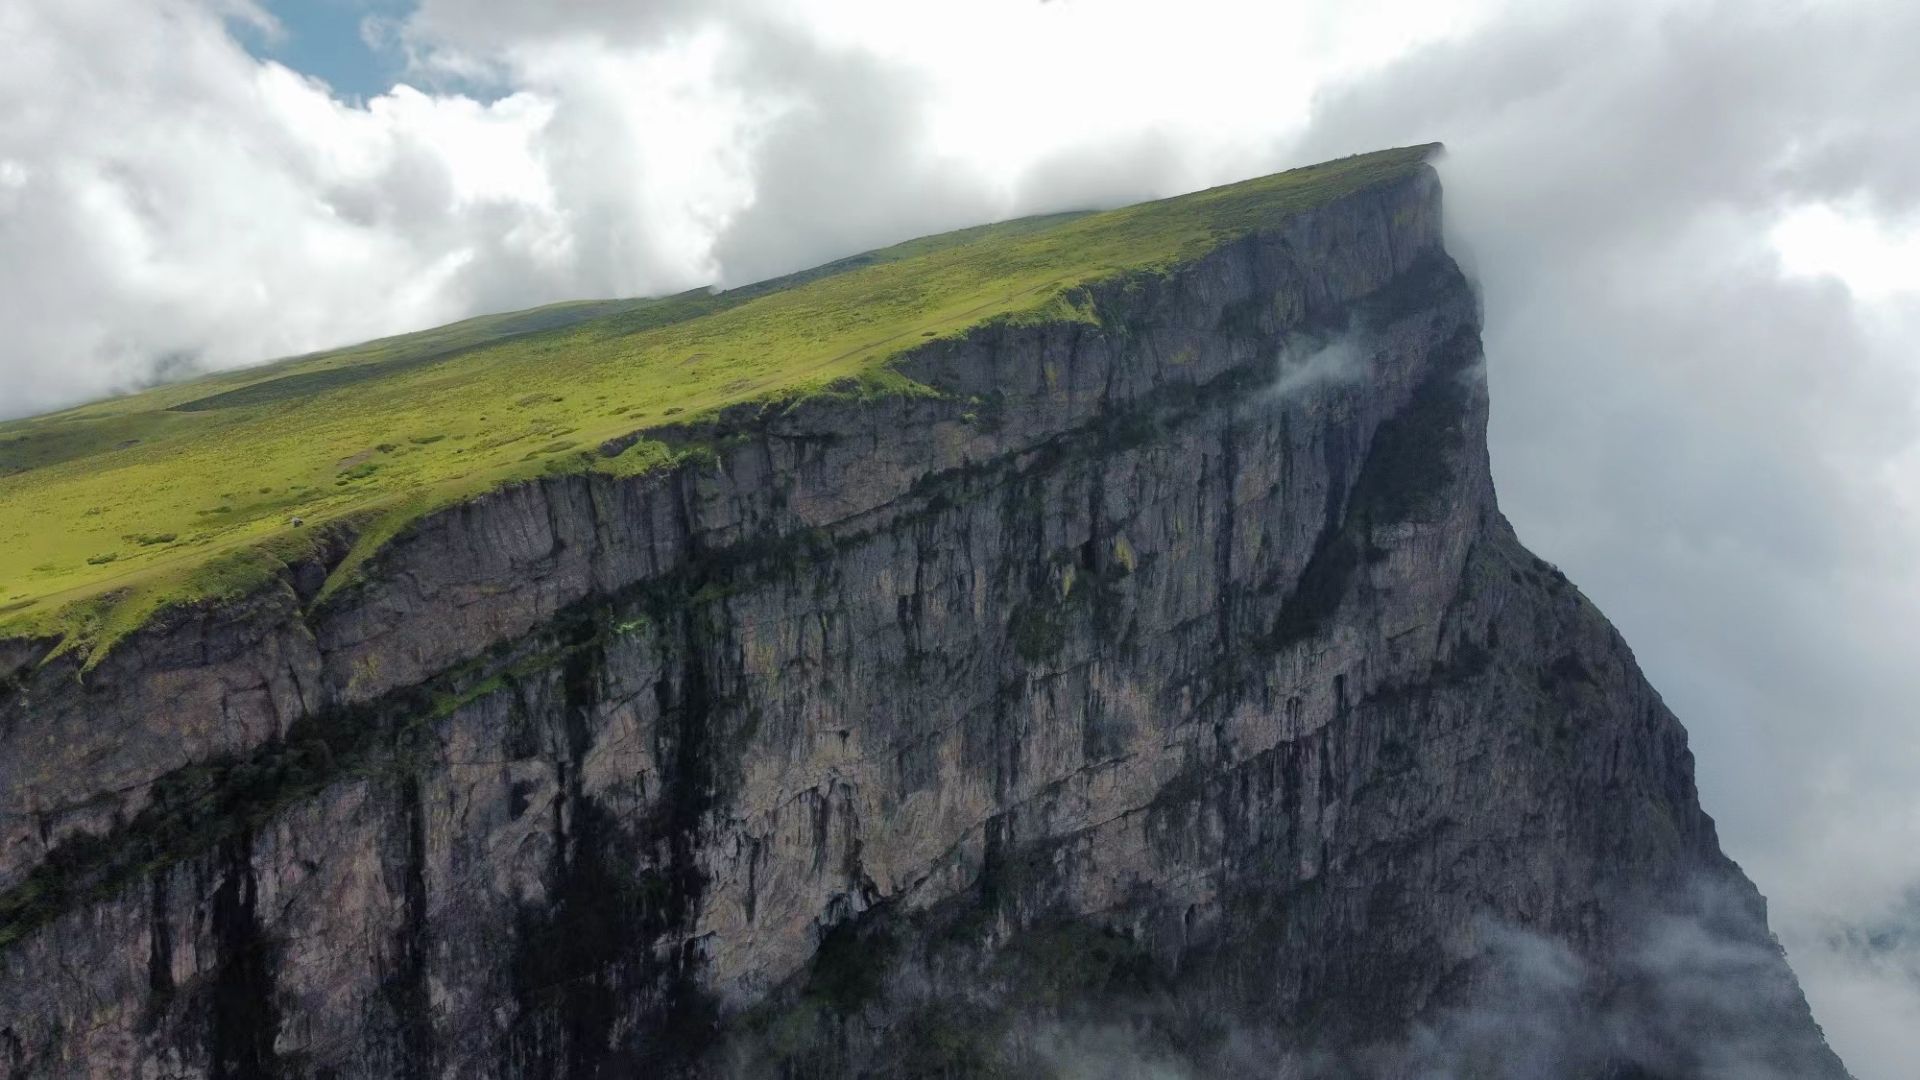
(1304, 365)
(1693, 986)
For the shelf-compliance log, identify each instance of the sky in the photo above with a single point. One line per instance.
(1696, 227)
(335, 41)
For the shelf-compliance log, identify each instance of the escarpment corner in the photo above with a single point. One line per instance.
(1118, 655)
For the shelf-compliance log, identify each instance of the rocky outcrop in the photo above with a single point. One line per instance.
(1176, 674)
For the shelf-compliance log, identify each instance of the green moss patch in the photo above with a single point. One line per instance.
(225, 463)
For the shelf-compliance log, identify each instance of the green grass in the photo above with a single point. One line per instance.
(112, 511)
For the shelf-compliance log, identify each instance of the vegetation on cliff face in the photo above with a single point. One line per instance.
(114, 510)
(967, 1004)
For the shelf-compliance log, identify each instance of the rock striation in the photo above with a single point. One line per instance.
(1168, 683)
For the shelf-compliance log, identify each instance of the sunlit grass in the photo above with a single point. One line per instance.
(111, 511)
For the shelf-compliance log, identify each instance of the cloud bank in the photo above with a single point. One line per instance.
(1719, 449)
(1688, 221)
(171, 203)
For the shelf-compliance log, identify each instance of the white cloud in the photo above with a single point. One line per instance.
(172, 202)
(1873, 259)
(178, 201)
(1717, 445)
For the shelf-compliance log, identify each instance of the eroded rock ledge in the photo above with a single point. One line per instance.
(1179, 669)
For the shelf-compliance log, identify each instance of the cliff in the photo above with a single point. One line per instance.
(1166, 685)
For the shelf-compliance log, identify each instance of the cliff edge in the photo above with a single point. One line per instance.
(1163, 690)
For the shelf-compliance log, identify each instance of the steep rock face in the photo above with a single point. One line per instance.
(1180, 665)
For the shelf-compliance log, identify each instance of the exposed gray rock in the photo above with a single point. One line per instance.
(1126, 683)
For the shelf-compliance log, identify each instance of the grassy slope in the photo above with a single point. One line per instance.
(112, 510)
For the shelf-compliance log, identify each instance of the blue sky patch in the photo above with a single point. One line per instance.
(323, 38)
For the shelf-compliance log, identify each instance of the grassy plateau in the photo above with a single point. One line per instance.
(114, 510)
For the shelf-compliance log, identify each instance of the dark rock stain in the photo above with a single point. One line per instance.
(242, 1013)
